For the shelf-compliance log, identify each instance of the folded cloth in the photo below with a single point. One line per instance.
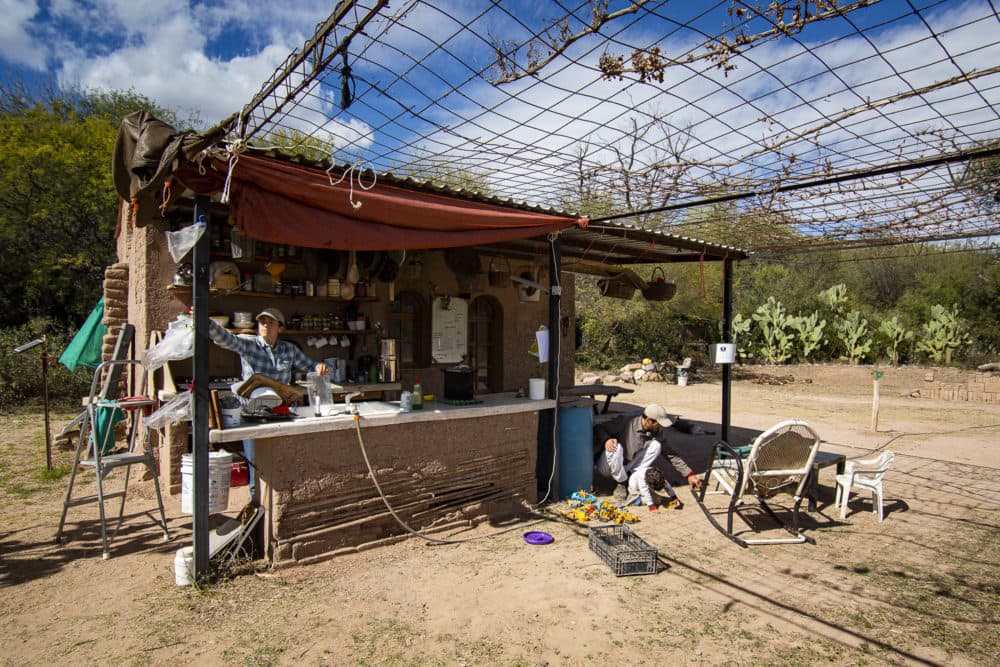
(289, 395)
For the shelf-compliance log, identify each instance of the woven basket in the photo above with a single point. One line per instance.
(616, 288)
(499, 277)
(659, 288)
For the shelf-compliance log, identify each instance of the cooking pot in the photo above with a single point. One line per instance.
(183, 277)
(459, 382)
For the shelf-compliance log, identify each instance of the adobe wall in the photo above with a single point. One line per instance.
(152, 305)
(950, 384)
(320, 499)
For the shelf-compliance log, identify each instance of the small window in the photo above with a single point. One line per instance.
(407, 324)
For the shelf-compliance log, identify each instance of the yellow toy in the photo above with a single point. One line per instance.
(603, 511)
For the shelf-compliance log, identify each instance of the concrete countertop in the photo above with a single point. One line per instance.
(380, 413)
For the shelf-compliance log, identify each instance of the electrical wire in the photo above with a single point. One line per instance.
(406, 526)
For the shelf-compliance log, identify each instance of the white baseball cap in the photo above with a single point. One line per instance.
(658, 413)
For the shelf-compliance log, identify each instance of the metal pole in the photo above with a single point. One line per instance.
(555, 297)
(45, 402)
(199, 406)
(727, 337)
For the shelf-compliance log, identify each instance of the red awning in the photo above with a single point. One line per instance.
(280, 202)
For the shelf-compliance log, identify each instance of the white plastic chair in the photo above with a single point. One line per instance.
(864, 474)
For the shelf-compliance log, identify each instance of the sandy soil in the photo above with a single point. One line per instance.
(921, 588)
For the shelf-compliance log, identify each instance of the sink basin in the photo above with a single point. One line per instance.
(372, 408)
(365, 409)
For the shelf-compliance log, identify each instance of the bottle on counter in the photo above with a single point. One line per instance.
(417, 402)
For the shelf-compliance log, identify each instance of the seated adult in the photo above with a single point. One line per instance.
(632, 444)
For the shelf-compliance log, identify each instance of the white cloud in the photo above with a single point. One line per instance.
(208, 58)
(17, 45)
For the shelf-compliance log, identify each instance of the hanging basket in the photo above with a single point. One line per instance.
(499, 277)
(658, 288)
(616, 288)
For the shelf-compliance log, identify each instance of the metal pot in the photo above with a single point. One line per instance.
(184, 276)
(459, 383)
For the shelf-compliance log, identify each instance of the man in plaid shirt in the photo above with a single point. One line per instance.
(267, 355)
(264, 353)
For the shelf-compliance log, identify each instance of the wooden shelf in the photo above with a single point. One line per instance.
(307, 332)
(271, 295)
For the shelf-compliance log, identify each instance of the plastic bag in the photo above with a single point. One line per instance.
(181, 241)
(177, 409)
(177, 343)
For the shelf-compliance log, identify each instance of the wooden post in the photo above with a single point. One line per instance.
(875, 397)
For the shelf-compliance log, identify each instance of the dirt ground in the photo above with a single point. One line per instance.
(920, 588)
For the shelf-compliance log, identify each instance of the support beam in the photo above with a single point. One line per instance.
(199, 401)
(727, 337)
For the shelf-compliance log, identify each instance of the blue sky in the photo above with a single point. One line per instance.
(188, 55)
(205, 57)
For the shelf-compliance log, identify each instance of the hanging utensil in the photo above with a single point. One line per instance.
(353, 274)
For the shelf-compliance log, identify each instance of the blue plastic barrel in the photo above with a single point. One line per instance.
(576, 449)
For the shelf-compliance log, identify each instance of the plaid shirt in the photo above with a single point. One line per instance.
(257, 356)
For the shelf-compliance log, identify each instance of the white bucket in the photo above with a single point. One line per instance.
(536, 389)
(682, 380)
(220, 468)
(231, 417)
(184, 566)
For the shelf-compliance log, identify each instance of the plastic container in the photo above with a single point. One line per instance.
(231, 417)
(417, 402)
(240, 475)
(536, 389)
(184, 566)
(576, 449)
(220, 469)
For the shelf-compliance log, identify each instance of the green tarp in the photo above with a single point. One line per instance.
(85, 348)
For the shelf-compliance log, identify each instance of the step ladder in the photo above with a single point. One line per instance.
(95, 446)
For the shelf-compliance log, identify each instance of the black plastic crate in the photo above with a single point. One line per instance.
(622, 550)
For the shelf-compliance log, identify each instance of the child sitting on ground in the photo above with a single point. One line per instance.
(655, 482)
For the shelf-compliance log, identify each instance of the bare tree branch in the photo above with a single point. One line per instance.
(542, 50)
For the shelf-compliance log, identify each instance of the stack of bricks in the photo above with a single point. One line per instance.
(115, 315)
(972, 386)
(115, 305)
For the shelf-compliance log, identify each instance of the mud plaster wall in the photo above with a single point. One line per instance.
(520, 318)
(152, 305)
(435, 474)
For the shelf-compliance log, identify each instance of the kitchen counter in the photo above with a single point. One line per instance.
(380, 413)
(440, 467)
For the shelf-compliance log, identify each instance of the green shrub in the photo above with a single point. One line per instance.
(21, 372)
